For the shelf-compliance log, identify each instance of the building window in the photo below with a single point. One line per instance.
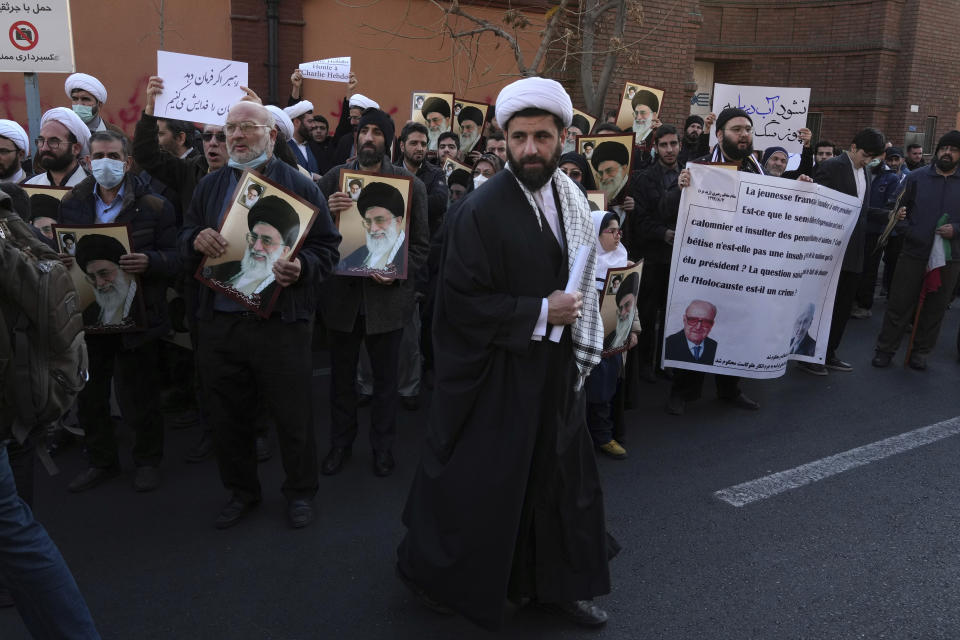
(929, 133)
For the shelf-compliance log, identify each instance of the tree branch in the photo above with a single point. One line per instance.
(545, 40)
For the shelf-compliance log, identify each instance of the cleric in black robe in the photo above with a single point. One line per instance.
(506, 502)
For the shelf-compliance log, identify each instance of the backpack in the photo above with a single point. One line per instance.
(43, 355)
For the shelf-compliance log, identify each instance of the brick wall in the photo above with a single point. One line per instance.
(248, 20)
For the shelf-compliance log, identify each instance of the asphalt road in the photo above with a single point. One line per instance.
(869, 553)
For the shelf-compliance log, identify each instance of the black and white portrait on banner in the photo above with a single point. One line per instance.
(111, 300)
(272, 228)
(374, 228)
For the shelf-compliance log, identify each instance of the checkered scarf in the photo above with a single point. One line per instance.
(578, 229)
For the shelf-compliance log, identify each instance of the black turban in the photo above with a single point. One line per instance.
(381, 119)
(580, 123)
(609, 151)
(256, 187)
(729, 114)
(279, 214)
(381, 194)
(647, 98)
(470, 113)
(44, 206)
(96, 246)
(435, 105)
(629, 285)
(461, 177)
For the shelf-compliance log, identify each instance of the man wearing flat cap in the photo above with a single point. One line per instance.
(529, 527)
(370, 309)
(14, 147)
(436, 115)
(301, 114)
(611, 161)
(735, 144)
(130, 360)
(273, 228)
(470, 120)
(244, 359)
(88, 96)
(62, 142)
(382, 215)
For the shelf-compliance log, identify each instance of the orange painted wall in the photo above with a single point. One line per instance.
(389, 67)
(117, 41)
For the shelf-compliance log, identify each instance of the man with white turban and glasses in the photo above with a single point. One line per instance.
(506, 503)
(88, 96)
(14, 147)
(62, 142)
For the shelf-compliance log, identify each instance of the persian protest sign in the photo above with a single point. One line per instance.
(330, 69)
(197, 88)
(777, 113)
(37, 38)
(754, 272)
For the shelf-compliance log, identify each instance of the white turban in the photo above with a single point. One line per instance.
(284, 123)
(72, 122)
(87, 83)
(16, 134)
(534, 93)
(360, 101)
(299, 109)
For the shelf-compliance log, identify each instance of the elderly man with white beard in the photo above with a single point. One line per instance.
(243, 358)
(470, 120)
(127, 361)
(611, 160)
(372, 310)
(436, 115)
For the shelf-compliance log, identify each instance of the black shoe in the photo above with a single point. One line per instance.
(146, 478)
(410, 403)
(881, 359)
(812, 368)
(675, 405)
(300, 513)
(264, 451)
(581, 612)
(743, 402)
(334, 460)
(383, 463)
(91, 478)
(363, 400)
(202, 450)
(422, 596)
(837, 364)
(233, 512)
(917, 361)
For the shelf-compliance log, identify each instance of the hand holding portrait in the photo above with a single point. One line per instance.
(134, 262)
(286, 272)
(339, 202)
(210, 243)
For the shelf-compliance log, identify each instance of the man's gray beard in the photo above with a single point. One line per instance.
(433, 138)
(640, 130)
(255, 270)
(379, 248)
(113, 299)
(770, 172)
(612, 189)
(622, 330)
(467, 143)
(569, 145)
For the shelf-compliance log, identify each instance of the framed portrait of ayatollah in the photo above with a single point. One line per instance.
(610, 157)
(111, 299)
(375, 227)
(435, 111)
(639, 109)
(618, 307)
(468, 119)
(264, 223)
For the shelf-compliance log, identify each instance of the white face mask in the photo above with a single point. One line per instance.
(873, 163)
(478, 180)
(108, 172)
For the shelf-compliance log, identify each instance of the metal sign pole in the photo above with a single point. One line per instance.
(31, 83)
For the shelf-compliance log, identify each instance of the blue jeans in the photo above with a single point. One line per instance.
(32, 568)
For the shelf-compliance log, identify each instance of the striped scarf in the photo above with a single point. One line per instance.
(748, 164)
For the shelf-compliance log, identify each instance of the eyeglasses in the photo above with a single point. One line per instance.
(380, 221)
(573, 173)
(265, 241)
(246, 128)
(693, 322)
(617, 232)
(102, 274)
(208, 136)
(52, 143)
